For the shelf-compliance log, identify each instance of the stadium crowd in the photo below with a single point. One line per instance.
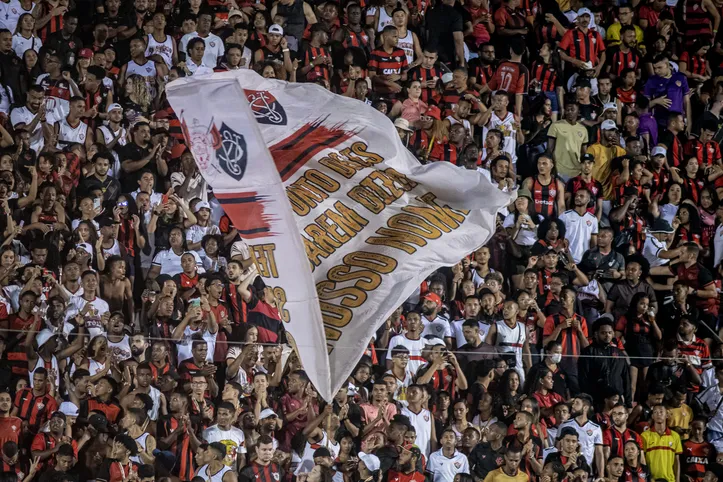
(581, 343)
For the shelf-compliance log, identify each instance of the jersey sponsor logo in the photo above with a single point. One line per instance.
(266, 109)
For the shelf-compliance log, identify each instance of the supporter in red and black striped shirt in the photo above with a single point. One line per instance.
(704, 148)
(34, 405)
(482, 68)
(582, 44)
(388, 64)
(693, 63)
(315, 57)
(618, 434)
(698, 454)
(429, 75)
(625, 55)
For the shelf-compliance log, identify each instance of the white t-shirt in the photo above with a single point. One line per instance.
(214, 48)
(589, 436)
(170, 262)
(22, 115)
(93, 319)
(415, 350)
(233, 439)
(11, 14)
(578, 230)
(651, 250)
(444, 469)
(422, 423)
(439, 327)
(21, 44)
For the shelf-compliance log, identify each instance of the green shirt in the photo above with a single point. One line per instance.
(569, 139)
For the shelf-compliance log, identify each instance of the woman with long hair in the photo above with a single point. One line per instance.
(542, 391)
(136, 99)
(688, 229)
(508, 393)
(459, 422)
(25, 38)
(413, 107)
(706, 210)
(640, 332)
(167, 216)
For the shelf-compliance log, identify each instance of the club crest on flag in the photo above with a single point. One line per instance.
(203, 140)
(231, 152)
(266, 109)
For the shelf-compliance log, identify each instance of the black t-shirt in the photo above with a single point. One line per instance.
(484, 459)
(442, 22)
(134, 152)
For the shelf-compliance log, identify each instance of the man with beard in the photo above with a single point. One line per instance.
(263, 469)
(588, 432)
(435, 325)
(139, 348)
(602, 262)
(177, 435)
(625, 56)
(475, 349)
(406, 469)
(140, 154)
(622, 293)
(488, 314)
(615, 438)
(47, 444)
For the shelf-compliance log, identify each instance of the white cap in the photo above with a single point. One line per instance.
(447, 78)
(588, 65)
(584, 11)
(276, 29)
(267, 413)
(69, 409)
(608, 125)
(402, 124)
(43, 336)
(371, 461)
(659, 151)
(610, 106)
(114, 107)
(85, 247)
(201, 205)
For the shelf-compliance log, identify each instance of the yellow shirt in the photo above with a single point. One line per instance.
(680, 417)
(601, 170)
(613, 34)
(660, 452)
(498, 475)
(568, 143)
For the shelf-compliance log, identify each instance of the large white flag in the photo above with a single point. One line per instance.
(369, 222)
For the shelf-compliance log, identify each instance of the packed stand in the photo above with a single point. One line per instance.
(582, 343)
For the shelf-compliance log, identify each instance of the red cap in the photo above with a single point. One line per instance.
(434, 297)
(85, 54)
(433, 111)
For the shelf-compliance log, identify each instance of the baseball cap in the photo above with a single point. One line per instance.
(608, 125)
(447, 78)
(434, 112)
(584, 11)
(43, 336)
(69, 409)
(587, 158)
(201, 205)
(371, 461)
(659, 151)
(610, 106)
(235, 12)
(267, 413)
(113, 107)
(85, 54)
(276, 29)
(434, 297)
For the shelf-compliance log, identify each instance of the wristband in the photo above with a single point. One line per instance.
(284, 50)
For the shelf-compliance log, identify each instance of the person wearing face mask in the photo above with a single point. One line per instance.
(551, 362)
